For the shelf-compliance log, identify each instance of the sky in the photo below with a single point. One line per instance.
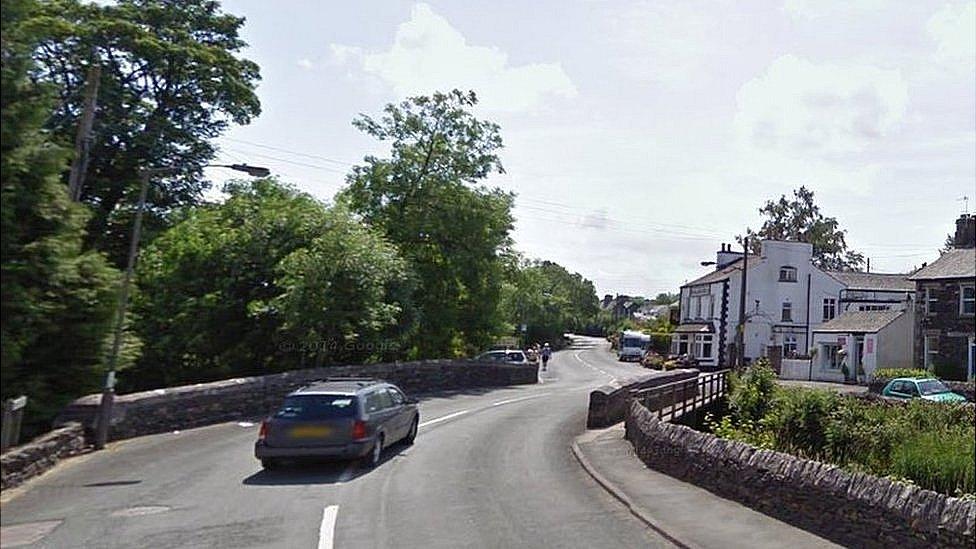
(640, 136)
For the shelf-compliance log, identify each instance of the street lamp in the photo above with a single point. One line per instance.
(108, 391)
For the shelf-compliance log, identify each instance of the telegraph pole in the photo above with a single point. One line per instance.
(83, 139)
(741, 333)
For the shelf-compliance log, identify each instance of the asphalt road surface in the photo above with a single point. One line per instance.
(490, 468)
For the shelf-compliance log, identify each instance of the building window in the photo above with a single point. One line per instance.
(931, 351)
(930, 301)
(787, 274)
(703, 346)
(698, 307)
(967, 300)
(830, 359)
(679, 345)
(789, 345)
(787, 312)
(711, 307)
(829, 308)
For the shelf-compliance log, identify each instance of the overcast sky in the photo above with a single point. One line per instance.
(639, 136)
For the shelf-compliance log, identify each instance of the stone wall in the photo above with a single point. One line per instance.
(191, 406)
(608, 404)
(943, 321)
(31, 459)
(853, 509)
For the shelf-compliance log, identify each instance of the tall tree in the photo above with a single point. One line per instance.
(427, 199)
(171, 80)
(57, 299)
(549, 300)
(799, 219)
(269, 280)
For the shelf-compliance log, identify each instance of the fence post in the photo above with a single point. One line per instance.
(13, 415)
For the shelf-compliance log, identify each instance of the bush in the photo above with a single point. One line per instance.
(752, 391)
(891, 373)
(797, 420)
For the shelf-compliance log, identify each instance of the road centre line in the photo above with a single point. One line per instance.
(511, 400)
(443, 418)
(327, 528)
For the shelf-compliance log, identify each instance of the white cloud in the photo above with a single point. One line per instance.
(305, 63)
(798, 107)
(954, 30)
(429, 54)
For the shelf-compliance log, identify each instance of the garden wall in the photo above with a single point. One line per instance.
(31, 459)
(853, 509)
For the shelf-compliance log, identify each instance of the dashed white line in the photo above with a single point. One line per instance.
(327, 528)
(443, 418)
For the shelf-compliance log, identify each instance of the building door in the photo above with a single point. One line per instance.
(775, 355)
(858, 356)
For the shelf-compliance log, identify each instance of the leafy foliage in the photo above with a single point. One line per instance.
(57, 299)
(891, 373)
(171, 80)
(799, 219)
(453, 232)
(752, 391)
(267, 281)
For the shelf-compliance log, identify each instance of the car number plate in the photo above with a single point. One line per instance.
(310, 432)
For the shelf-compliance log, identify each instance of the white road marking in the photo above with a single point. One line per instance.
(511, 400)
(327, 529)
(443, 418)
(594, 368)
(245, 424)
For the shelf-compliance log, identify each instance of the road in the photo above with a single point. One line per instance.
(490, 468)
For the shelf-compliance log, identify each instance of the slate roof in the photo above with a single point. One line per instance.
(859, 321)
(874, 281)
(723, 273)
(958, 263)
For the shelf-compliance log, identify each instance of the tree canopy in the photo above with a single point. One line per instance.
(269, 280)
(171, 80)
(426, 199)
(799, 219)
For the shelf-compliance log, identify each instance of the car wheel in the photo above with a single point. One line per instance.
(412, 434)
(373, 459)
(268, 463)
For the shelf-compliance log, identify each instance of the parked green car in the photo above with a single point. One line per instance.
(927, 388)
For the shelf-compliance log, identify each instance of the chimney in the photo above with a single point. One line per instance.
(725, 256)
(965, 232)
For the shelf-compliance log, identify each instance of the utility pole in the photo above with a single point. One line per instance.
(83, 139)
(741, 333)
(108, 392)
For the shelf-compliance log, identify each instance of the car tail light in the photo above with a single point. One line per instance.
(359, 430)
(263, 431)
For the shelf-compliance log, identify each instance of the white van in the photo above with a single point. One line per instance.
(632, 345)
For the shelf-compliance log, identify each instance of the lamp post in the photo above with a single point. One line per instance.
(108, 391)
(740, 341)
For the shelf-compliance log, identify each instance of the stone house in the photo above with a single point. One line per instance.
(945, 304)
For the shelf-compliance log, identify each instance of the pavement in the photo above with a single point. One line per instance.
(683, 513)
(490, 468)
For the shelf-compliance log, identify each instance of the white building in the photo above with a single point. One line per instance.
(787, 298)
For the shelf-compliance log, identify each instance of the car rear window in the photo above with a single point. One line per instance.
(317, 407)
(516, 357)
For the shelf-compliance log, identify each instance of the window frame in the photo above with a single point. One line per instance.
(786, 312)
(963, 299)
(929, 300)
(929, 352)
(788, 273)
(829, 305)
(790, 342)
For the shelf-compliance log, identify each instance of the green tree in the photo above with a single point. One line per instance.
(549, 300)
(799, 219)
(171, 80)
(665, 298)
(57, 299)
(427, 200)
(269, 280)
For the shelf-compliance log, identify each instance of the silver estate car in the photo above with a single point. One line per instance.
(343, 418)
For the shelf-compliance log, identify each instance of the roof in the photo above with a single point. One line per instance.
(695, 328)
(338, 386)
(874, 281)
(957, 263)
(723, 273)
(859, 321)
